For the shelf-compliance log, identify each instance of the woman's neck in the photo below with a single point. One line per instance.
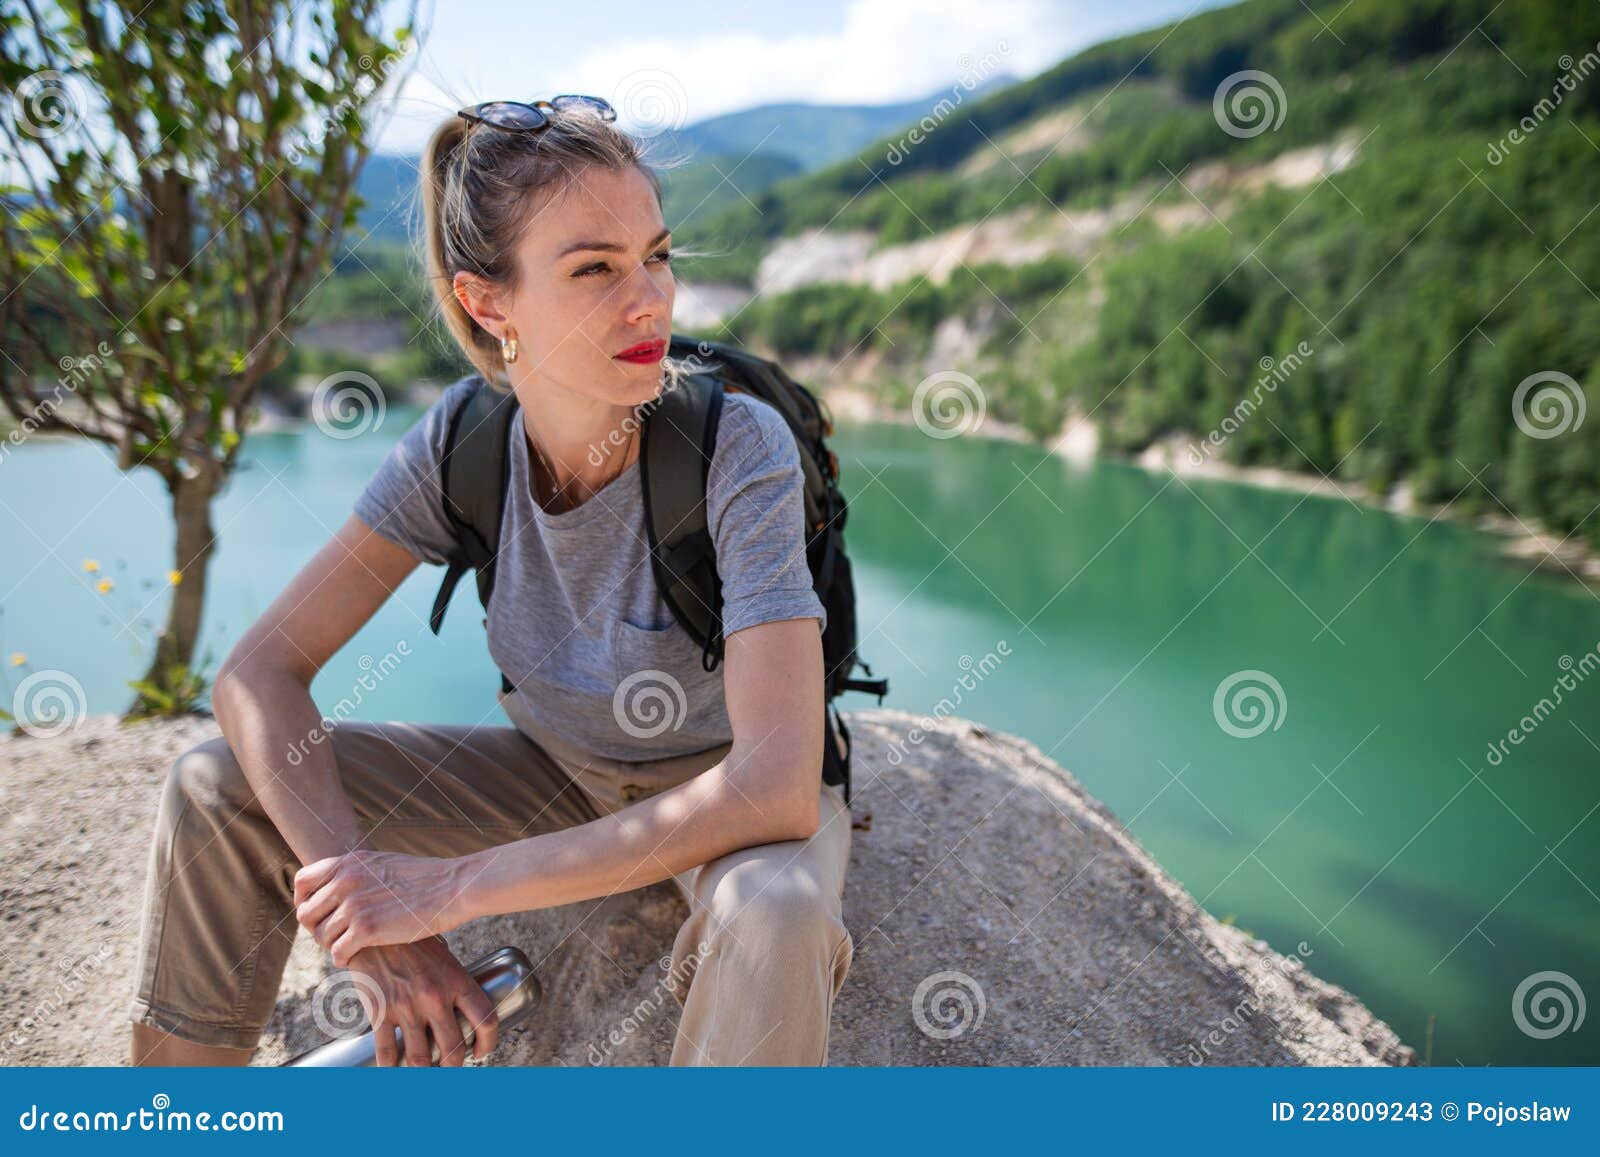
(567, 472)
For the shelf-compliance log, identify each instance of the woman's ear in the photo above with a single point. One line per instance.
(480, 301)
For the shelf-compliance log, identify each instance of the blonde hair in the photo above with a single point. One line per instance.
(478, 188)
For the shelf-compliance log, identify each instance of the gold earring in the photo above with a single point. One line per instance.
(508, 350)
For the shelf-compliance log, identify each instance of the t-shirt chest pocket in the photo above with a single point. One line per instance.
(660, 678)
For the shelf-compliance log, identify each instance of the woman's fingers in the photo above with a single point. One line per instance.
(418, 1051)
(480, 1013)
(388, 1050)
(345, 945)
(447, 1036)
(316, 907)
(328, 930)
(311, 877)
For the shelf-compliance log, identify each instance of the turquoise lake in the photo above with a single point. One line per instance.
(1367, 823)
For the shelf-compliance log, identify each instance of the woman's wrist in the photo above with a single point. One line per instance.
(464, 902)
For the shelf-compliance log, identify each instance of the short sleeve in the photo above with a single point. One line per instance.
(404, 501)
(755, 509)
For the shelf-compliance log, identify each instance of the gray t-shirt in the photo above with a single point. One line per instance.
(576, 621)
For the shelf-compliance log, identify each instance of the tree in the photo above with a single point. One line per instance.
(177, 179)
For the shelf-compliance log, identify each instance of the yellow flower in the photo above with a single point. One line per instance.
(18, 658)
(90, 565)
(174, 577)
(103, 586)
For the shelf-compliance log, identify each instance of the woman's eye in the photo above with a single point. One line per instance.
(603, 267)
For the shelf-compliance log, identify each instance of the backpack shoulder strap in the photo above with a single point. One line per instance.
(679, 437)
(474, 475)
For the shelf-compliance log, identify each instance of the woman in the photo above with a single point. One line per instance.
(549, 259)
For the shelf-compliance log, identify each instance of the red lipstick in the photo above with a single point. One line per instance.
(644, 353)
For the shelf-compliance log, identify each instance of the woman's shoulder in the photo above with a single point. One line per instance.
(428, 433)
(753, 436)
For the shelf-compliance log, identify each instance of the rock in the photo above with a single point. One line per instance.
(1120, 968)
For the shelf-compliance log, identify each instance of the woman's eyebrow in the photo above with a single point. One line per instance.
(609, 246)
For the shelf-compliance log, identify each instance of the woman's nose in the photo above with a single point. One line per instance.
(647, 294)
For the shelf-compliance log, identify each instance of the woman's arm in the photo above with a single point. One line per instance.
(765, 790)
(262, 696)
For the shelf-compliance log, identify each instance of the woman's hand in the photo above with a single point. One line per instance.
(365, 898)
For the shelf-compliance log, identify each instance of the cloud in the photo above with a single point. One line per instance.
(883, 51)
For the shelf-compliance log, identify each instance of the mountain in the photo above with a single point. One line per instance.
(724, 156)
(813, 135)
(1356, 239)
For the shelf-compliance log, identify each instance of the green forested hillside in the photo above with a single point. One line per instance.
(1431, 278)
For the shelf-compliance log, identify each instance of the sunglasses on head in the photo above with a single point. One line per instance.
(529, 117)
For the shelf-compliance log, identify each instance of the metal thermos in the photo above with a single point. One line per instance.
(505, 975)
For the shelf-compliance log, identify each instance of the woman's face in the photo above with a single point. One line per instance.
(594, 281)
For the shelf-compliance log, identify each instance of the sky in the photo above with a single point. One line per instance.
(663, 66)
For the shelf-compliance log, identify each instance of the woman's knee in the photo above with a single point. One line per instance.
(208, 776)
(766, 905)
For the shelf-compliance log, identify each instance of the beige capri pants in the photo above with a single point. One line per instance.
(756, 965)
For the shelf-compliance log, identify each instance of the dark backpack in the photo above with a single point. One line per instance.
(678, 435)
